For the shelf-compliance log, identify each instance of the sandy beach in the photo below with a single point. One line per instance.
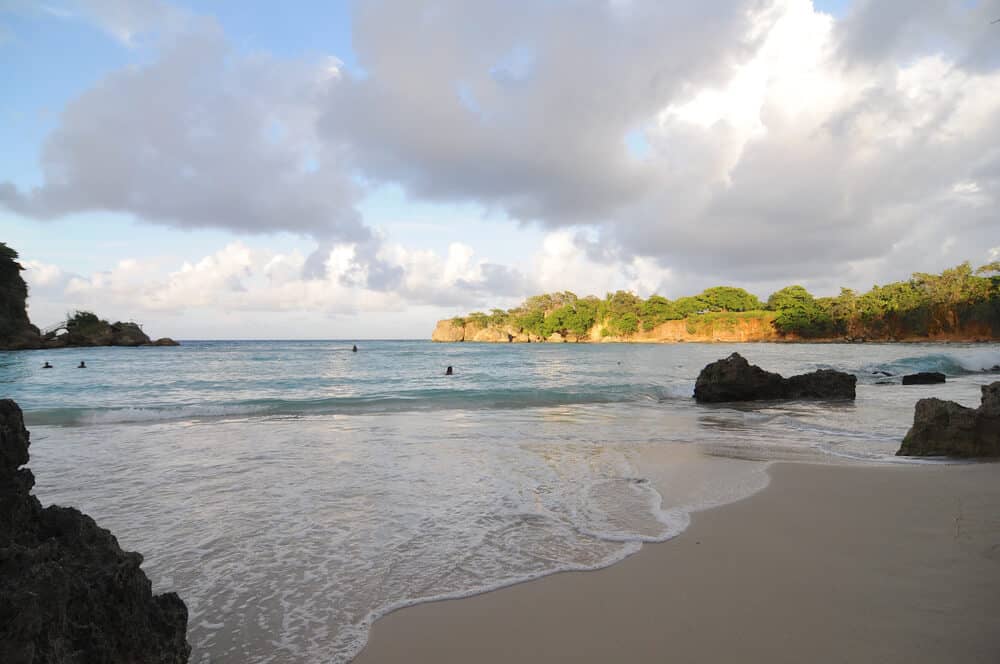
(827, 564)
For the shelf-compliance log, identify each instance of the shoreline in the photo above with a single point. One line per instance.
(826, 563)
(846, 342)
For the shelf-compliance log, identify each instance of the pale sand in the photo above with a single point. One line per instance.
(827, 564)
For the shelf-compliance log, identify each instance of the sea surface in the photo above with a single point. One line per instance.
(293, 491)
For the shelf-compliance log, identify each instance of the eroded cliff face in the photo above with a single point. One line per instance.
(674, 331)
(721, 330)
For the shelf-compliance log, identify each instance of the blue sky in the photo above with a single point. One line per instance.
(455, 188)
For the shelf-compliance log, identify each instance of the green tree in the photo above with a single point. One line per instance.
(656, 310)
(798, 312)
(729, 298)
(622, 312)
(687, 306)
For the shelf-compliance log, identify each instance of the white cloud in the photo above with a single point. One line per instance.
(777, 144)
(43, 275)
(239, 278)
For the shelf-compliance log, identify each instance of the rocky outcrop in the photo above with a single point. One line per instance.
(945, 428)
(100, 333)
(68, 593)
(16, 331)
(674, 331)
(165, 341)
(735, 379)
(924, 378)
(490, 335)
(448, 330)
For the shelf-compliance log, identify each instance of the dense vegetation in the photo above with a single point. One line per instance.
(958, 299)
(13, 296)
(85, 323)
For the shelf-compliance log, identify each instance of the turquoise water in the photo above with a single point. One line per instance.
(292, 492)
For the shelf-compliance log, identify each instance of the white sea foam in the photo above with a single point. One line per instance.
(297, 535)
(979, 359)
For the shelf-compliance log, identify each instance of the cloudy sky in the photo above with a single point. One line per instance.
(325, 169)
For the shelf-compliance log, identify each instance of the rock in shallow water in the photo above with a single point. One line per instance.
(68, 593)
(945, 428)
(735, 379)
(924, 378)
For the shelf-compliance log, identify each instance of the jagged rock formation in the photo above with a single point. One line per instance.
(100, 333)
(103, 333)
(924, 378)
(68, 593)
(735, 379)
(945, 428)
(16, 331)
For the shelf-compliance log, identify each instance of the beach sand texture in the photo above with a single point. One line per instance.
(827, 564)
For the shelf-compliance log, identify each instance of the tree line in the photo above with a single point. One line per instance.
(958, 299)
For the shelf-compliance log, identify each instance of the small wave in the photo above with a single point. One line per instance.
(406, 401)
(957, 364)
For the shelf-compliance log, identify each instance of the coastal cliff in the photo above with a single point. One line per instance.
(960, 304)
(68, 592)
(759, 329)
(16, 331)
(81, 329)
(719, 330)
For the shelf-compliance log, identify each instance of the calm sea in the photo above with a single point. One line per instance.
(293, 491)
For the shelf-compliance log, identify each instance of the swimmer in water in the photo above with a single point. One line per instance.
(46, 365)
(83, 365)
(355, 349)
(448, 371)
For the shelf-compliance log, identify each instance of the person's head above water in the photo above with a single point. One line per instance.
(83, 365)
(355, 349)
(46, 365)
(448, 371)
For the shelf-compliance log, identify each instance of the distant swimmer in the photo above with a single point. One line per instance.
(83, 365)
(355, 349)
(448, 371)
(49, 366)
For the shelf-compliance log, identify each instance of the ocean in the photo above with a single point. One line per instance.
(293, 491)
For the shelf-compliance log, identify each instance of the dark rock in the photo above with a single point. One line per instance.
(128, 334)
(102, 333)
(822, 384)
(68, 593)
(16, 330)
(945, 428)
(167, 341)
(735, 379)
(924, 378)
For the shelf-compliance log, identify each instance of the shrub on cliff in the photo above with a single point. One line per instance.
(85, 323)
(798, 313)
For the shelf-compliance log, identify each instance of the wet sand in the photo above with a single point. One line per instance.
(827, 564)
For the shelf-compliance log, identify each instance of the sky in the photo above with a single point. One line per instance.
(333, 169)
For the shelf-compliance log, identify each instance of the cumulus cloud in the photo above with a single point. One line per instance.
(525, 110)
(200, 138)
(240, 278)
(663, 145)
(775, 140)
